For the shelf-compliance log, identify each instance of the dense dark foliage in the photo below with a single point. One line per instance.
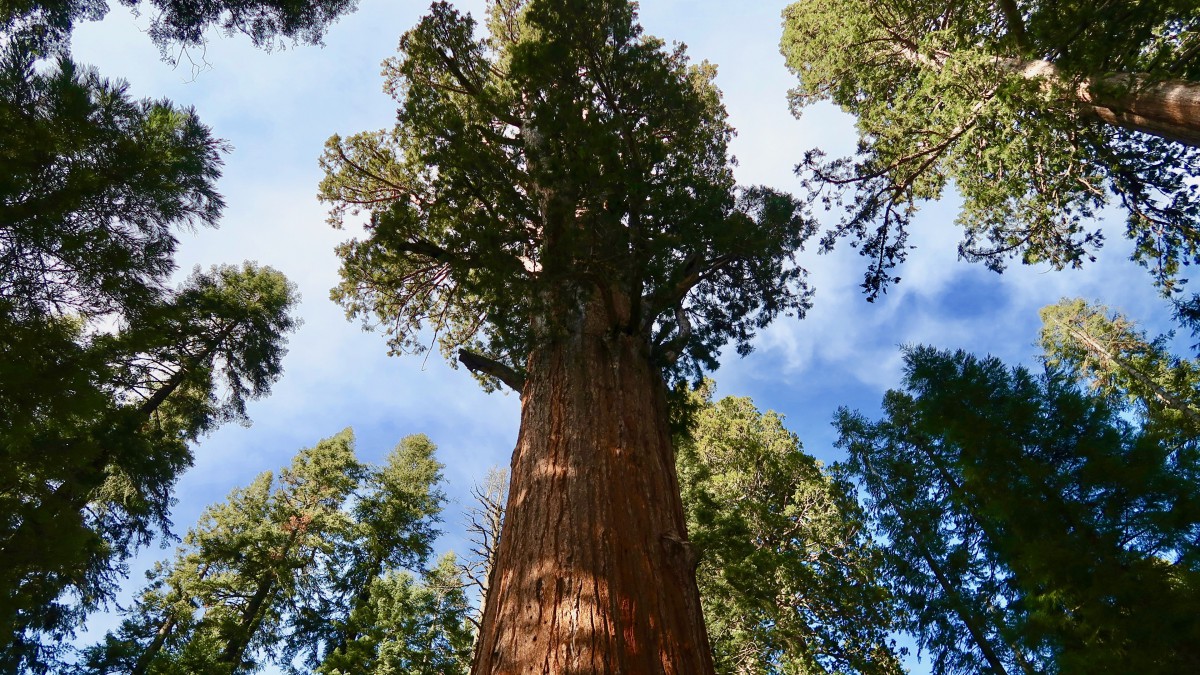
(1031, 526)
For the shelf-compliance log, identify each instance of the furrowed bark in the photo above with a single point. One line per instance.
(594, 574)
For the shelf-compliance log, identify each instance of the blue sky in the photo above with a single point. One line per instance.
(277, 109)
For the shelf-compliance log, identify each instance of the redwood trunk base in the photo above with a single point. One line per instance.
(593, 575)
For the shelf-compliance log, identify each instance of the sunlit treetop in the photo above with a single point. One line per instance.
(1039, 113)
(562, 170)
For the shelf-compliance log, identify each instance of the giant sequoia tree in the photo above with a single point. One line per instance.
(1039, 112)
(556, 206)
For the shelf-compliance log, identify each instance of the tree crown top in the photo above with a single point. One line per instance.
(564, 159)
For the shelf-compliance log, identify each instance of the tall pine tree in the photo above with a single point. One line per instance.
(88, 477)
(322, 569)
(1033, 528)
(789, 578)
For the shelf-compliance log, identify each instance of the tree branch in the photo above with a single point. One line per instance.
(483, 365)
(424, 247)
(1012, 18)
(1168, 109)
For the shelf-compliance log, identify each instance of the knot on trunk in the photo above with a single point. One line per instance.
(681, 549)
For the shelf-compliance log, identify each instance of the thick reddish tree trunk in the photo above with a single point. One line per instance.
(1169, 109)
(593, 574)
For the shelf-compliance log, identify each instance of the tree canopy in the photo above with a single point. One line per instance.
(96, 432)
(1031, 527)
(1039, 113)
(177, 24)
(305, 570)
(1107, 351)
(789, 578)
(108, 374)
(96, 186)
(563, 153)
(555, 208)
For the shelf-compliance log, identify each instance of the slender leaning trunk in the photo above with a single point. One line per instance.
(594, 574)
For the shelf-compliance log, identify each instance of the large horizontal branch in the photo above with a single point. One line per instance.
(485, 366)
(438, 254)
(1167, 109)
(426, 248)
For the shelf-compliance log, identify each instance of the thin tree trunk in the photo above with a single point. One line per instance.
(235, 648)
(142, 665)
(594, 574)
(1164, 397)
(961, 606)
(160, 638)
(964, 612)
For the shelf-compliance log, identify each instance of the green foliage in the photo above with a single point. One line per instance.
(227, 595)
(790, 580)
(178, 24)
(410, 627)
(561, 161)
(107, 374)
(1012, 102)
(1108, 352)
(1031, 528)
(95, 434)
(394, 515)
(322, 567)
(93, 187)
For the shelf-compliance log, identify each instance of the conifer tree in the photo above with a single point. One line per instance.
(226, 600)
(409, 625)
(1033, 529)
(394, 515)
(556, 205)
(321, 569)
(1108, 352)
(105, 373)
(788, 576)
(1039, 113)
(89, 477)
